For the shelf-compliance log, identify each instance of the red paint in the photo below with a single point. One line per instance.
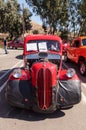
(44, 78)
(45, 65)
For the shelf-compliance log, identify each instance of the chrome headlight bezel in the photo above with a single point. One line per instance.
(17, 73)
(70, 72)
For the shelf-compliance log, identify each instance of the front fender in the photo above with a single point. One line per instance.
(69, 92)
(25, 75)
(19, 93)
(62, 76)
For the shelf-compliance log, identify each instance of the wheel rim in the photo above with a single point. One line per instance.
(82, 68)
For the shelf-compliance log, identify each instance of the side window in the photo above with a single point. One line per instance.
(76, 43)
(84, 42)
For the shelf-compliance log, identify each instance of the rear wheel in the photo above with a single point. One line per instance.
(82, 68)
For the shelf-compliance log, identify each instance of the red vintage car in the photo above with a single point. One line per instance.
(42, 85)
(16, 43)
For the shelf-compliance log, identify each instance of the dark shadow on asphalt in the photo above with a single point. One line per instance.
(4, 77)
(19, 57)
(6, 111)
(30, 115)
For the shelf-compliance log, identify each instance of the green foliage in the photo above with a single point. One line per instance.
(61, 15)
(35, 31)
(82, 11)
(52, 12)
(11, 19)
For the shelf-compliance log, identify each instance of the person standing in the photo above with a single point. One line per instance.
(5, 46)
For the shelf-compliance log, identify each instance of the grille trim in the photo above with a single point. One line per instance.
(44, 88)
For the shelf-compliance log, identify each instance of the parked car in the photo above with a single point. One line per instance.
(65, 45)
(16, 43)
(77, 53)
(42, 85)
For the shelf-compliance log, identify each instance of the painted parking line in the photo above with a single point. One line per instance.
(84, 85)
(10, 69)
(83, 98)
(3, 86)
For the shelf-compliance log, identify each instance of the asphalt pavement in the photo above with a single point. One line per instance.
(19, 119)
(8, 62)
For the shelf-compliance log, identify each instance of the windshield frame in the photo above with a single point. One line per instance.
(42, 45)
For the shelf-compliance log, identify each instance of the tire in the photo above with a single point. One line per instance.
(82, 68)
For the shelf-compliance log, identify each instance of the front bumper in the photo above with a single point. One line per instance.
(69, 93)
(20, 93)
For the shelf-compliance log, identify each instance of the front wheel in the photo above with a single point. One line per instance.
(82, 68)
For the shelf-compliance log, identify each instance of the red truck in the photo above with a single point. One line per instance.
(77, 53)
(42, 85)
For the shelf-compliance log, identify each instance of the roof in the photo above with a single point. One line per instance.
(81, 37)
(42, 37)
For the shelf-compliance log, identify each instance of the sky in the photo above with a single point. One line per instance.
(34, 17)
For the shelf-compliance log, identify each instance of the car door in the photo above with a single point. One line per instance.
(75, 50)
(70, 51)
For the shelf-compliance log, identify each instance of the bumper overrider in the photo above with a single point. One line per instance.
(21, 93)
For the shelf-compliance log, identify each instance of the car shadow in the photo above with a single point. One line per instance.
(19, 57)
(7, 111)
(30, 115)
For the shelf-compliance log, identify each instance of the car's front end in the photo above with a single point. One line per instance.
(42, 85)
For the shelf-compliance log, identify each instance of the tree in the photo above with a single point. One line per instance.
(74, 16)
(2, 15)
(50, 11)
(44, 27)
(82, 12)
(11, 19)
(35, 31)
(27, 15)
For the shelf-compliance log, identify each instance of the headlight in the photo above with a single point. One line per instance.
(17, 73)
(70, 72)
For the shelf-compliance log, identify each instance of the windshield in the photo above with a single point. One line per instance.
(84, 42)
(43, 45)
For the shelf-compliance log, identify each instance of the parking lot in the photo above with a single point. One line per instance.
(20, 119)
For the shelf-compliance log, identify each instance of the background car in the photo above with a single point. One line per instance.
(16, 43)
(65, 45)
